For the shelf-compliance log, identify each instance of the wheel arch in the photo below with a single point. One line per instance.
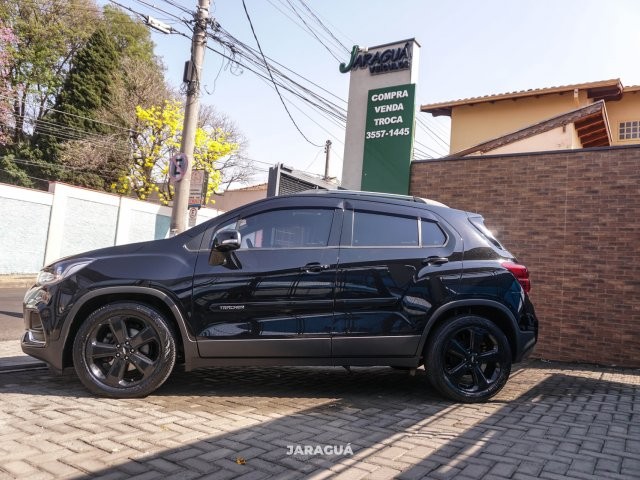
(489, 309)
(185, 342)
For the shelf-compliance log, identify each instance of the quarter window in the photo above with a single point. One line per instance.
(377, 230)
(432, 235)
(629, 130)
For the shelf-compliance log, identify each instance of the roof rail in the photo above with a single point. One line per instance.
(381, 195)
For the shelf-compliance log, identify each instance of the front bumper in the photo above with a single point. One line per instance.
(37, 340)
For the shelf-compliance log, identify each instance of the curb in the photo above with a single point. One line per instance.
(28, 364)
(17, 281)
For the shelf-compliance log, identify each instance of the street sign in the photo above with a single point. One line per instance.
(178, 166)
(193, 216)
(197, 188)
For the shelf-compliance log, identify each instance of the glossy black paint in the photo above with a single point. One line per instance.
(339, 302)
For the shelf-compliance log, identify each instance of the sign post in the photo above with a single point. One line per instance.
(376, 156)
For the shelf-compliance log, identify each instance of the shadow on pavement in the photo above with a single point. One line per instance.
(545, 424)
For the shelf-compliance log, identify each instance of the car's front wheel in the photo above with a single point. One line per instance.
(468, 359)
(124, 350)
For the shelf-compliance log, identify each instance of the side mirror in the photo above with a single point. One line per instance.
(227, 240)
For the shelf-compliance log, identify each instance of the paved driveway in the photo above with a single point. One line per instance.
(552, 421)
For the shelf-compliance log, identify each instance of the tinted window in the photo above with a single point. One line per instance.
(377, 229)
(432, 235)
(286, 229)
(478, 222)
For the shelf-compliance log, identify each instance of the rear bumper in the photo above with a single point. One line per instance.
(528, 331)
(527, 341)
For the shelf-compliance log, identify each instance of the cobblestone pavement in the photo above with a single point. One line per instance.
(552, 421)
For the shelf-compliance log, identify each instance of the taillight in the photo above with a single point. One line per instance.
(521, 273)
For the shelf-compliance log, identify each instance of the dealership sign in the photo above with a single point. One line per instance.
(379, 133)
(388, 137)
(389, 60)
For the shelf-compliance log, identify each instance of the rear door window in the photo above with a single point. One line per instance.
(384, 230)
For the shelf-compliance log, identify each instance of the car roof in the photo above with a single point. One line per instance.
(380, 196)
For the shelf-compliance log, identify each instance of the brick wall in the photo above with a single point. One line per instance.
(573, 217)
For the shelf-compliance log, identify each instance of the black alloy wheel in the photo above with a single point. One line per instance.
(124, 350)
(468, 359)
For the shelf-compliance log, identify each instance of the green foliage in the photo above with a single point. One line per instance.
(22, 165)
(85, 91)
(11, 173)
(104, 116)
(7, 40)
(132, 38)
(94, 108)
(47, 38)
(88, 85)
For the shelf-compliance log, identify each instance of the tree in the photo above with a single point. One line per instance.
(136, 80)
(86, 90)
(234, 168)
(159, 131)
(7, 40)
(48, 34)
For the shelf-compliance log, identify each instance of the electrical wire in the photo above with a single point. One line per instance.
(319, 102)
(312, 31)
(323, 25)
(304, 26)
(271, 76)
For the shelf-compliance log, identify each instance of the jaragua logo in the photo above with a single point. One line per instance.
(389, 60)
(317, 450)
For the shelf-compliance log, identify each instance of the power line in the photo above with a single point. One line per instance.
(271, 76)
(99, 122)
(323, 25)
(329, 108)
(178, 6)
(252, 56)
(311, 30)
(432, 132)
(303, 26)
(251, 50)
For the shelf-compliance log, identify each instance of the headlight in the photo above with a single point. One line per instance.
(50, 275)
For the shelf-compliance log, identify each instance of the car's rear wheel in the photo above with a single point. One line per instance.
(468, 359)
(124, 350)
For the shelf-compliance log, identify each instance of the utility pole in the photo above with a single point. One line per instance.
(327, 151)
(193, 72)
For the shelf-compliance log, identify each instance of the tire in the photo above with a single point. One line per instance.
(124, 350)
(468, 359)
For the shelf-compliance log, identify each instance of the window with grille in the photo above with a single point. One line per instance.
(629, 130)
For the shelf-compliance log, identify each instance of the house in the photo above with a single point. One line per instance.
(585, 115)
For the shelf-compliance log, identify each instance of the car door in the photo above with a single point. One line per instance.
(397, 264)
(273, 296)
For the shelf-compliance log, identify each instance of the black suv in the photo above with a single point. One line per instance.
(316, 278)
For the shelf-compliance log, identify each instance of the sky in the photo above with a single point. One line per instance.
(468, 48)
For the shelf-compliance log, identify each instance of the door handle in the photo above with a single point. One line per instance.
(314, 267)
(435, 260)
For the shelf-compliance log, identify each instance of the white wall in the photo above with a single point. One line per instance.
(38, 227)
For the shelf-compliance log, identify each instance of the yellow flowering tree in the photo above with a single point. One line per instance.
(157, 139)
